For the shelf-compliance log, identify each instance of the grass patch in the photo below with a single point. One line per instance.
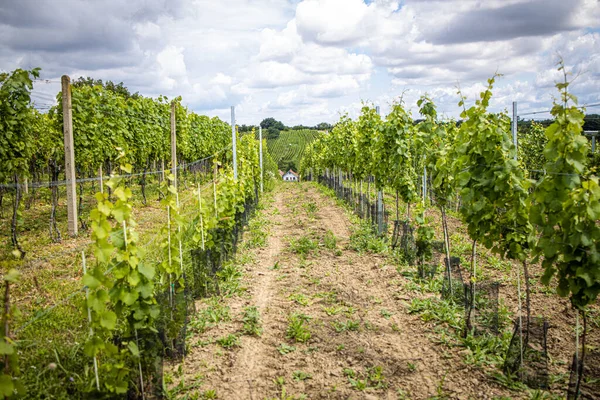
(304, 246)
(210, 316)
(229, 341)
(251, 320)
(363, 239)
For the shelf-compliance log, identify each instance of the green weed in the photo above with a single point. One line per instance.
(348, 325)
(300, 299)
(297, 329)
(284, 349)
(301, 376)
(303, 246)
(210, 316)
(311, 208)
(363, 239)
(371, 378)
(329, 240)
(251, 320)
(209, 394)
(229, 341)
(333, 310)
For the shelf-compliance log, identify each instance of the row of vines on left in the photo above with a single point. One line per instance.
(32, 155)
(108, 338)
(133, 309)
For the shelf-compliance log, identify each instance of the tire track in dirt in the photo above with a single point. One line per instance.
(249, 362)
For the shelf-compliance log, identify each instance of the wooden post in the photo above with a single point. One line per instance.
(173, 145)
(69, 156)
(26, 186)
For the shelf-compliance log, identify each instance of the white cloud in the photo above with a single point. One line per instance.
(303, 61)
(332, 22)
(221, 79)
(172, 67)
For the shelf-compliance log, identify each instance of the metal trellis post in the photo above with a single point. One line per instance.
(234, 144)
(514, 127)
(379, 198)
(260, 159)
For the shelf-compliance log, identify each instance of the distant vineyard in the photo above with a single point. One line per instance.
(287, 150)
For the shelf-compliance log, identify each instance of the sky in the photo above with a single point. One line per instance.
(308, 61)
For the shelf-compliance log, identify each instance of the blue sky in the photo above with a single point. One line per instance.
(307, 61)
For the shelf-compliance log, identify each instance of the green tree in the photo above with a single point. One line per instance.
(324, 126)
(272, 122)
(118, 88)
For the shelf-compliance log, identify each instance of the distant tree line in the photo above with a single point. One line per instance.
(271, 127)
(591, 122)
(118, 88)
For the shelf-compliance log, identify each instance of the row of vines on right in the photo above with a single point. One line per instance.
(539, 211)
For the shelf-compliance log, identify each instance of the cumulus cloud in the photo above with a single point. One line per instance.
(485, 24)
(305, 61)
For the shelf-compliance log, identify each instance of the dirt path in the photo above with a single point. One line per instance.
(335, 322)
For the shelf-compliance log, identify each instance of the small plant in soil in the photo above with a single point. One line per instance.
(363, 239)
(349, 372)
(348, 325)
(412, 366)
(509, 381)
(300, 299)
(229, 279)
(369, 326)
(440, 392)
(258, 232)
(229, 341)
(385, 313)
(303, 246)
(333, 310)
(297, 329)
(209, 394)
(280, 382)
(311, 209)
(375, 377)
(350, 310)
(372, 378)
(328, 297)
(301, 376)
(210, 317)
(329, 240)
(275, 267)
(251, 320)
(284, 348)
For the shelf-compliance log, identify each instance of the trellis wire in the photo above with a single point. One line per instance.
(100, 177)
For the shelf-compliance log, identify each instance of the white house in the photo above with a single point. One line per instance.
(290, 176)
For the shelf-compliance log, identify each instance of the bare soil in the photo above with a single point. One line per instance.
(356, 307)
